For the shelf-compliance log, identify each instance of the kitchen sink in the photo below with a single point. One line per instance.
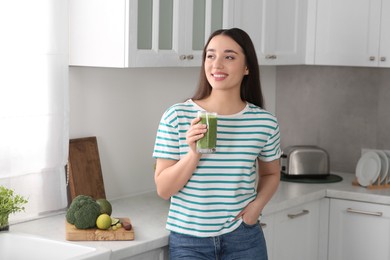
(20, 246)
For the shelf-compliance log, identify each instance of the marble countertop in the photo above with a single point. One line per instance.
(148, 212)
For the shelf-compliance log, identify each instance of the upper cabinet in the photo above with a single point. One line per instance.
(143, 33)
(353, 33)
(277, 28)
(172, 33)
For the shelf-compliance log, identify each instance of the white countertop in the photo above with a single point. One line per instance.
(148, 212)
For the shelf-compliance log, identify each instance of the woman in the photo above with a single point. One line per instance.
(215, 202)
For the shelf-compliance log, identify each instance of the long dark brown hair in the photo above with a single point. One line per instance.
(250, 85)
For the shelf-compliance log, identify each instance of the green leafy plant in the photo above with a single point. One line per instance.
(9, 203)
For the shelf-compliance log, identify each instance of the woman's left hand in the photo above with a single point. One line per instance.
(250, 214)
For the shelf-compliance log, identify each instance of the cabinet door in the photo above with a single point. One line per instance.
(359, 231)
(266, 223)
(296, 233)
(277, 28)
(97, 33)
(155, 254)
(348, 32)
(384, 52)
(203, 18)
(155, 32)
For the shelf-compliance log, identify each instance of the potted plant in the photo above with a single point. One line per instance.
(9, 203)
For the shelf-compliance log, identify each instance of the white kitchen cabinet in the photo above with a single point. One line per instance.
(353, 33)
(156, 254)
(142, 33)
(359, 230)
(267, 224)
(277, 28)
(298, 233)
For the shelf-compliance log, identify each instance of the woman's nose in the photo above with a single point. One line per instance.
(218, 63)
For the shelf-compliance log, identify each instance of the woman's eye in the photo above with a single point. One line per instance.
(209, 56)
(229, 57)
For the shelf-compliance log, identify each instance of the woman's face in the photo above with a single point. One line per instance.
(224, 64)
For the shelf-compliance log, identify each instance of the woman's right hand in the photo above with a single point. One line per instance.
(195, 132)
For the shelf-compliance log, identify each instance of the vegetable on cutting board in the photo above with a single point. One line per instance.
(83, 212)
(89, 219)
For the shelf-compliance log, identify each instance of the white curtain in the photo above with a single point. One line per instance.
(34, 103)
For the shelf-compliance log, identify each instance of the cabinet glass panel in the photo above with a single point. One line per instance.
(165, 25)
(199, 19)
(217, 15)
(198, 24)
(144, 28)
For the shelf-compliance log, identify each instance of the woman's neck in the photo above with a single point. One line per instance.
(222, 104)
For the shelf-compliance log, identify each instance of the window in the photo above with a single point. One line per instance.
(34, 103)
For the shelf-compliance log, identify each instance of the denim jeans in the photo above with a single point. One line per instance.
(245, 243)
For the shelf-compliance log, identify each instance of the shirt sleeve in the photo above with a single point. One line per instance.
(167, 139)
(271, 150)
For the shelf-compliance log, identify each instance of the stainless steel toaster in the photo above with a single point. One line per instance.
(305, 160)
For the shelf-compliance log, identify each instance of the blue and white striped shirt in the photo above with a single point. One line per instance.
(224, 182)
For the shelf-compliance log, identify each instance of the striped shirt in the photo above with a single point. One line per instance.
(224, 182)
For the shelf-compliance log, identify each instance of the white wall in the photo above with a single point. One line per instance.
(122, 108)
(342, 109)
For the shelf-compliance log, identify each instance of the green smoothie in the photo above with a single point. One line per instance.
(208, 143)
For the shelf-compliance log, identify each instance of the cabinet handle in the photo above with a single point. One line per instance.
(303, 212)
(263, 225)
(357, 211)
(372, 58)
(271, 57)
(383, 58)
(186, 57)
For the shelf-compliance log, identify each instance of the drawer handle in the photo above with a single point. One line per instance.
(357, 211)
(304, 212)
(270, 57)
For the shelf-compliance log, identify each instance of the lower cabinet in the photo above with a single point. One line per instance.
(359, 230)
(267, 224)
(156, 254)
(325, 229)
(298, 233)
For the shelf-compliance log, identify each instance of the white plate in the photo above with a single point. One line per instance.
(368, 168)
(384, 166)
(388, 171)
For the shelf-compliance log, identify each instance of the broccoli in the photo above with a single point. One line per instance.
(83, 212)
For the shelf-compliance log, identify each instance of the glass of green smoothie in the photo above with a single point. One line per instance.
(208, 143)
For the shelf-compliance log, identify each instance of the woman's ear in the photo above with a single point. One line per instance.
(246, 71)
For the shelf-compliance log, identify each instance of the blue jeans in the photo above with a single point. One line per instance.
(245, 243)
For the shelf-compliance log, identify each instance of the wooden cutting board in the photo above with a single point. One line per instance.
(94, 234)
(84, 169)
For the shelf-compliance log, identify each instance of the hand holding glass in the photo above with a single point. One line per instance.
(208, 143)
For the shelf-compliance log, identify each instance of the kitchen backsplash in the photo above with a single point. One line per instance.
(341, 109)
(338, 108)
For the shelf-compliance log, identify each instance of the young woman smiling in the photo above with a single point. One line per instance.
(217, 199)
